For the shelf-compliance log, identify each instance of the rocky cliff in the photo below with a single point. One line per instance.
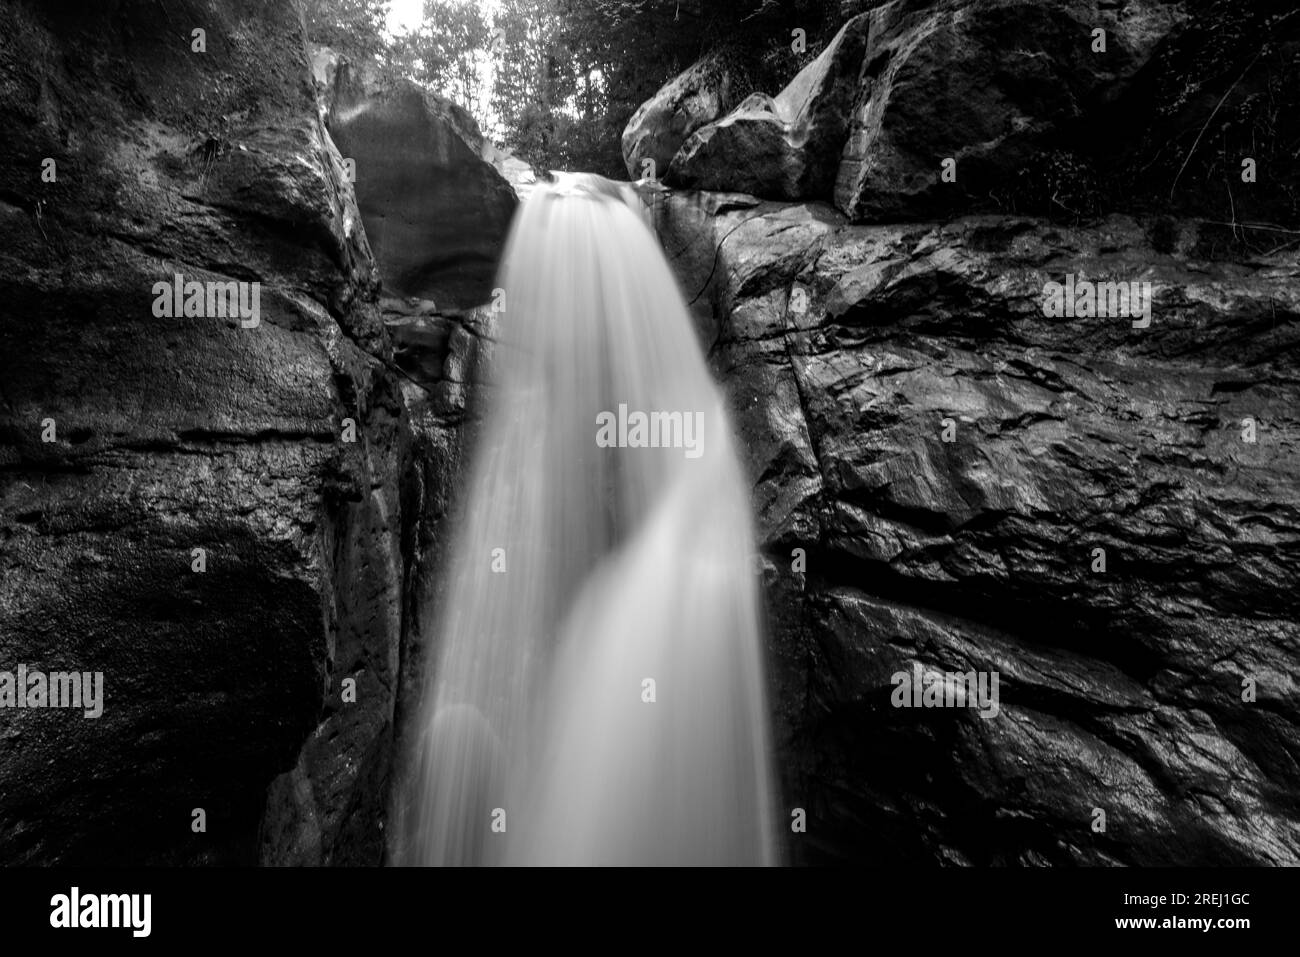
(227, 515)
(954, 470)
(238, 519)
(1066, 109)
(1104, 515)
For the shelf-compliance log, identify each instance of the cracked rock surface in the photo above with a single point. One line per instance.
(223, 686)
(847, 350)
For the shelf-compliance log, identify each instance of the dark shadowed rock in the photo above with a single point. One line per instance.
(1217, 94)
(936, 462)
(436, 208)
(986, 83)
(1019, 104)
(785, 147)
(184, 433)
(846, 354)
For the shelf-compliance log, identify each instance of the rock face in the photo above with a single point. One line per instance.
(697, 96)
(436, 209)
(783, 148)
(332, 806)
(1102, 513)
(952, 473)
(182, 506)
(1218, 94)
(1060, 108)
(987, 84)
(950, 460)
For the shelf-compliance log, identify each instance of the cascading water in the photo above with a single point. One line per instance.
(596, 690)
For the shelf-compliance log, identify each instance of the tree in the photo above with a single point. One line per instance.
(600, 59)
(567, 75)
(446, 52)
(532, 77)
(353, 27)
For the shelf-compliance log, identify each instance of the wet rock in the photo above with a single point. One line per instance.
(923, 109)
(225, 669)
(847, 354)
(656, 131)
(989, 85)
(785, 147)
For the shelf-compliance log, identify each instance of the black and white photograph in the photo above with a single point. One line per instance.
(819, 435)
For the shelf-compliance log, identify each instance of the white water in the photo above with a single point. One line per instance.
(621, 564)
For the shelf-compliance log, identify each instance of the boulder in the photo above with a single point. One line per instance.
(785, 147)
(656, 131)
(1059, 109)
(431, 189)
(988, 84)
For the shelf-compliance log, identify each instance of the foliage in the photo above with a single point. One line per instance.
(567, 75)
(445, 52)
(353, 27)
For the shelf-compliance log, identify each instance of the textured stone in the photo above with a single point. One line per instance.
(784, 147)
(1033, 119)
(698, 95)
(433, 193)
(987, 83)
(1120, 690)
(222, 687)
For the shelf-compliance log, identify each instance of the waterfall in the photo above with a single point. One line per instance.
(595, 691)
